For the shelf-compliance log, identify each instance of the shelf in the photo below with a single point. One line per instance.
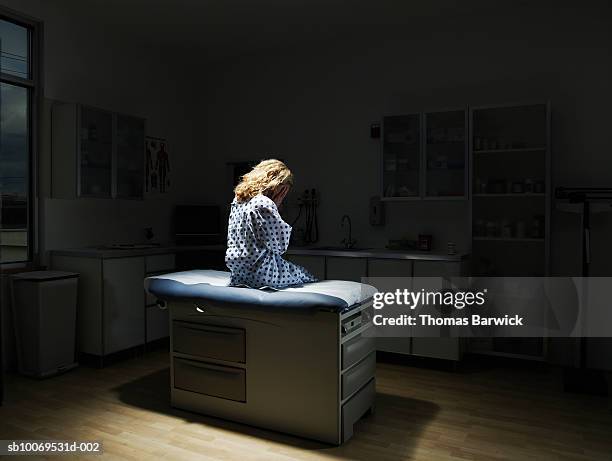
(522, 149)
(444, 197)
(458, 168)
(509, 239)
(522, 195)
(447, 143)
(399, 198)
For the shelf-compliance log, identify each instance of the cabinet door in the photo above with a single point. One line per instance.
(130, 138)
(445, 154)
(389, 268)
(342, 268)
(392, 268)
(158, 325)
(314, 264)
(439, 345)
(124, 311)
(95, 152)
(401, 151)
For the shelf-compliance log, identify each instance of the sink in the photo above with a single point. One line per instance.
(339, 248)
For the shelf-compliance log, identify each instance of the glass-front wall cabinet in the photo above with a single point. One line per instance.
(445, 150)
(401, 156)
(110, 154)
(95, 153)
(424, 156)
(130, 165)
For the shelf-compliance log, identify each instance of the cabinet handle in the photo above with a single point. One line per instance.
(207, 366)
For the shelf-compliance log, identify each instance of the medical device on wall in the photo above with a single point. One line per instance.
(308, 203)
(377, 211)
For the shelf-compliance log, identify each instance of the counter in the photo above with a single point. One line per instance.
(105, 252)
(377, 253)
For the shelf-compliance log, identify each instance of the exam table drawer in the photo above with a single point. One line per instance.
(356, 407)
(356, 349)
(205, 378)
(357, 376)
(201, 340)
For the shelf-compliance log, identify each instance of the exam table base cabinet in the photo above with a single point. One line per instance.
(289, 371)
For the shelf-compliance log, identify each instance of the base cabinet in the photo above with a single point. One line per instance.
(124, 316)
(313, 264)
(113, 312)
(157, 323)
(438, 348)
(340, 268)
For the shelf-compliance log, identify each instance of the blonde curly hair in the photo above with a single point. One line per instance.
(264, 178)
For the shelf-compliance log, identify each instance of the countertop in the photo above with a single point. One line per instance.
(107, 252)
(375, 253)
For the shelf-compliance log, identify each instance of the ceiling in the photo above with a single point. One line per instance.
(220, 28)
(227, 27)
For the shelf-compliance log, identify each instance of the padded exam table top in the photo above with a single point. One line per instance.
(211, 287)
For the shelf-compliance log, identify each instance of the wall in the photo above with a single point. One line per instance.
(313, 106)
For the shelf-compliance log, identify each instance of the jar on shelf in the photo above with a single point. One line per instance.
(538, 187)
(520, 229)
(518, 187)
(492, 229)
(506, 229)
(480, 228)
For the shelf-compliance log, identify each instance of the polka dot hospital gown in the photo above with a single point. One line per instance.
(257, 237)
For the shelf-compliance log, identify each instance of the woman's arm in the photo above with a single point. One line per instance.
(270, 229)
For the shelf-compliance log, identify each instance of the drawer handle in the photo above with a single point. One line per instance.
(215, 368)
(220, 331)
(229, 333)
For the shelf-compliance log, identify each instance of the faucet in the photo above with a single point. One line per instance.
(348, 240)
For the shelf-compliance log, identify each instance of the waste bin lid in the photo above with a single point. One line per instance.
(41, 276)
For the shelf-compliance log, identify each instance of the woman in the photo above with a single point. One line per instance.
(257, 236)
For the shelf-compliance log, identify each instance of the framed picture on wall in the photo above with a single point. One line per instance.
(157, 166)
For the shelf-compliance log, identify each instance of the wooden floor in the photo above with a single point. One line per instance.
(424, 414)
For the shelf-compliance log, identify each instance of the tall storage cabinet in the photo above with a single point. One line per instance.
(96, 153)
(510, 225)
(510, 151)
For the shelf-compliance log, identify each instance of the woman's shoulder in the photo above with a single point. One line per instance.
(261, 201)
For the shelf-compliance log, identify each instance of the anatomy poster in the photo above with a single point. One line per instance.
(157, 166)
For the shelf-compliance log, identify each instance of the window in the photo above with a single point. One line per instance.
(18, 93)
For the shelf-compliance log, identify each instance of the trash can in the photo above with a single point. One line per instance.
(44, 316)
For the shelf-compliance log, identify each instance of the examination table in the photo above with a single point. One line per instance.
(293, 360)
